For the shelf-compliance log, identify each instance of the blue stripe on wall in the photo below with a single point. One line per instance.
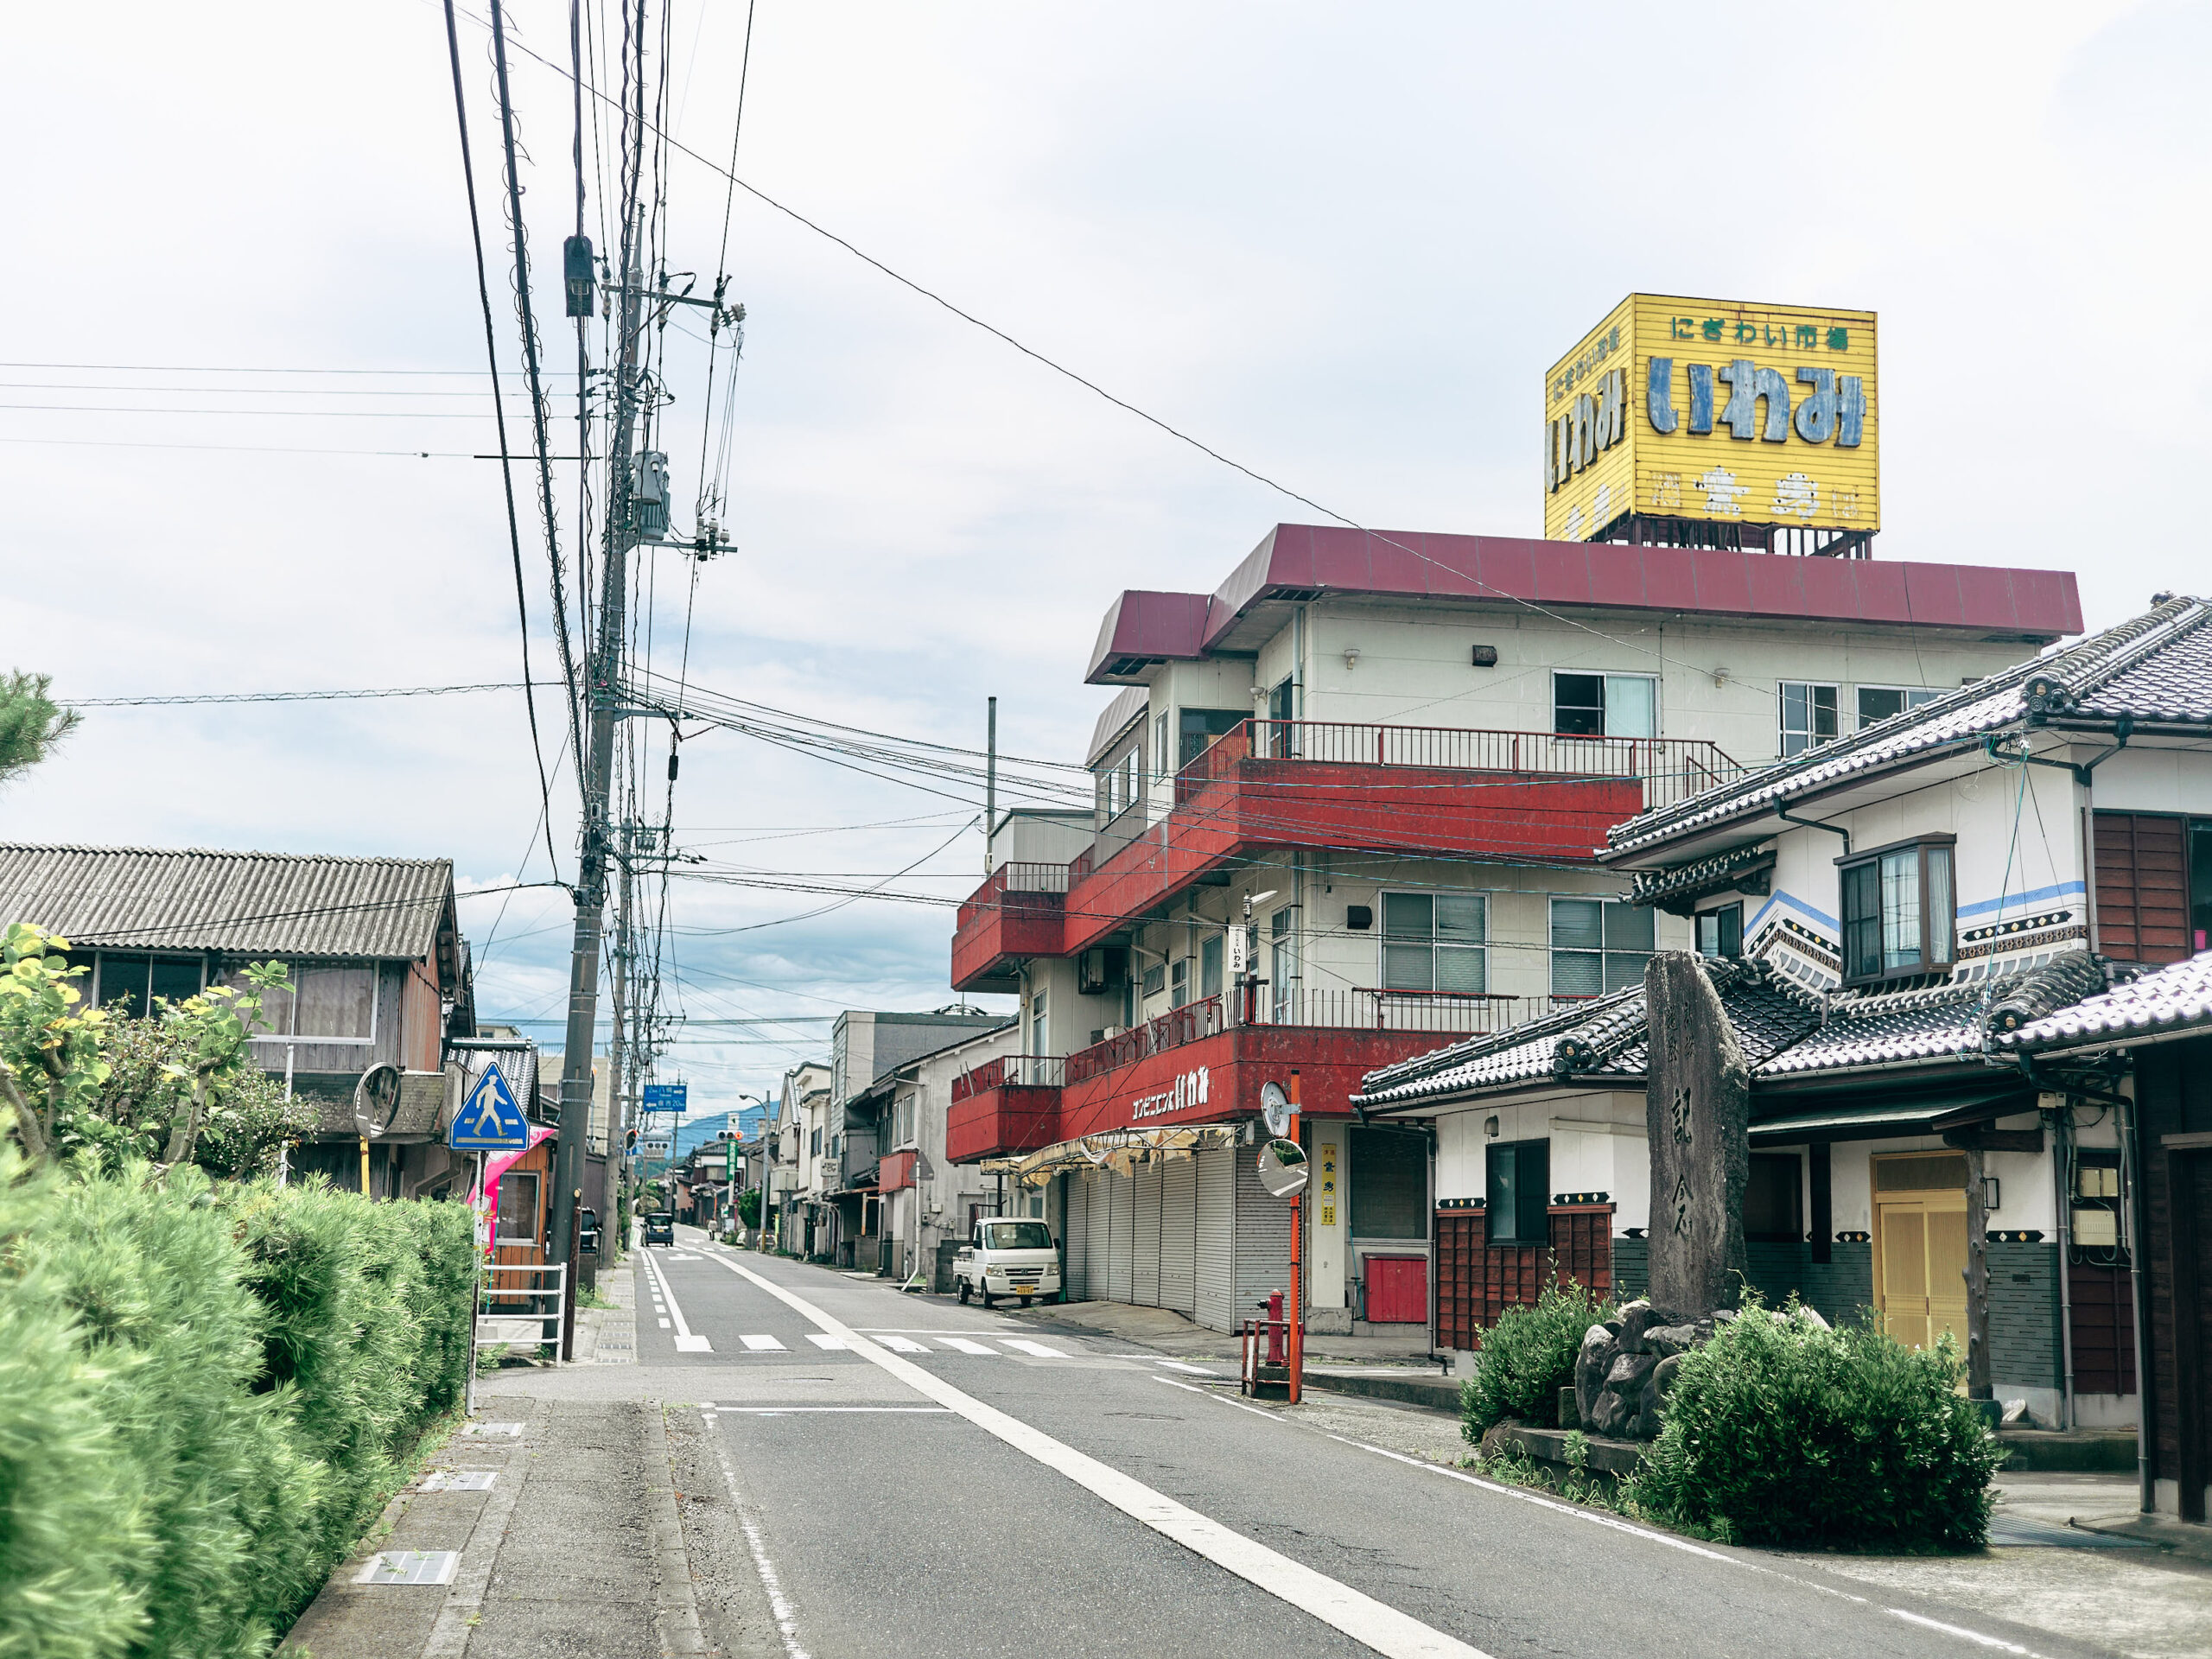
(2063, 890)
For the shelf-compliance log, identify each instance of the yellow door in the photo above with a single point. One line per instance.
(1920, 1246)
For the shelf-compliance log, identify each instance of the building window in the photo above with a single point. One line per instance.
(1773, 1199)
(902, 1122)
(1877, 703)
(814, 1143)
(1897, 911)
(1155, 980)
(130, 983)
(1388, 1184)
(1598, 945)
(1605, 705)
(1807, 716)
(1040, 1029)
(324, 1004)
(1435, 942)
(1721, 932)
(1198, 727)
(1209, 966)
(1516, 1186)
(1179, 982)
(518, 1207)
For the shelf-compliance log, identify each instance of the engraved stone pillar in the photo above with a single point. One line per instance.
(1697, 1110)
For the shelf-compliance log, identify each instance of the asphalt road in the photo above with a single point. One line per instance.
(914, 1477)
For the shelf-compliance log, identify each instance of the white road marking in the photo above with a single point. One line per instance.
(1042, 1350)
(763, 1345)
(1382, 1627)
(779, 1604)
(1954, 1630)
(1178, 1365)
(788, 1411)
(1257, 1411)
(664, 1324)
(820, 1341)
(686, 1342)
(904, 1344)
(964, 1345)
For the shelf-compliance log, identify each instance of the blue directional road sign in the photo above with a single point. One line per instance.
(490, 1120)
(666, 1096)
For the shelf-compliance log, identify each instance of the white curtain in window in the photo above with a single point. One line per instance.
(1631, 706)
(1901, 909)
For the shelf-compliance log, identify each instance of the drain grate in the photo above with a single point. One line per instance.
(2023, 1532)
(409, 1566)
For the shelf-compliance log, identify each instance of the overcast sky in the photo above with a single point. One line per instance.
(1340, 243)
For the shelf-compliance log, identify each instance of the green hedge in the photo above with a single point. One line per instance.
(1780, 1431)
(1528, 1357)
(206, 1393)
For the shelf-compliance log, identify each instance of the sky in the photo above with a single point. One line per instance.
(1339, 243)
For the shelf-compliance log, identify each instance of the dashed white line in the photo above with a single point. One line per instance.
(964, 1345)
(1041, 1350)
(686, 1342)
(904, 1344)
(820, 1341)
(780, 1605)
(1178, 1365)
(763, 1345)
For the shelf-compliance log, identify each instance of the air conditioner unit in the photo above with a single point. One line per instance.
(1101, 970)
(1110, 1032)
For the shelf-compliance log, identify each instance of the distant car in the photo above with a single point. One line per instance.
(660, 1228)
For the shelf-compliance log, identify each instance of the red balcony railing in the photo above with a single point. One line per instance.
(1670, 768)
(1010, 1071)
(1446, 1013)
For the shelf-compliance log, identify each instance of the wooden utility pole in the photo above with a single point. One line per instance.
(1977, 1276)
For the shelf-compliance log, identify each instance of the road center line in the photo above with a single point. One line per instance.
(686, 1342)
(1362, 1618)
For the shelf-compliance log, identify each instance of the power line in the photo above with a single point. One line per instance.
(295, 697)
(224, 368)
(498, 410)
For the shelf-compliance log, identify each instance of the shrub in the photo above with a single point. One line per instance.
(1780, 1431)
(204, 1394)
(1528, 1357)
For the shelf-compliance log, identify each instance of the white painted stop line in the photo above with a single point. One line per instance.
(1380, 1626)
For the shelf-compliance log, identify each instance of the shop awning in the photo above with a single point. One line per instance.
(1872, 1115)
(1120, 1150)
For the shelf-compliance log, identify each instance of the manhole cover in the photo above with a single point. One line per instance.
(409, 1566)
(459, 1480)
(2023, 1532)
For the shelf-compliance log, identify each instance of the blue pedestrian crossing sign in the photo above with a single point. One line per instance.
(490, 1120)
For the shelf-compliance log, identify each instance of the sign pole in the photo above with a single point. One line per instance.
(476, 1245)
(1297, 1267)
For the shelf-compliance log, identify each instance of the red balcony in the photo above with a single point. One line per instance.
(1006, 1106)
(1197, 1065)
(1513, 797)
(1017, 912)
(896, 1171)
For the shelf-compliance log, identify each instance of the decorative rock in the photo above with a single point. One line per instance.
(1636, 1318)
(1811, 1316)
(1628, 1371)
(1668, 1339)
(1697, 1115)
(1662, 1375)
(1590, 1368)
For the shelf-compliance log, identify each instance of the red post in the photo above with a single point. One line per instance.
(1297, 1274)
(1278, 1331)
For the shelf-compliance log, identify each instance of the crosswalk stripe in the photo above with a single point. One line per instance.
(822, 1341)
(962, 1344)
(1042, 1350)
(763, 1345)
(904, 1344)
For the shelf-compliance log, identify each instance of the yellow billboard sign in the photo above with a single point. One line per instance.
(1713, 411)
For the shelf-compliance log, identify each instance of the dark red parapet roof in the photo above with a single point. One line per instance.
(2035, 605)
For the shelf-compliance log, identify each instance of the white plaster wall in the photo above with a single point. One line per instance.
(1042, 838)
(2154, 780)
(1582, 1160)
(1415, 666)
(1070, 1016)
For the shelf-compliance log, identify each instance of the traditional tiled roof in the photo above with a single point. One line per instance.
(2154, 667)
(1784, 1030)
(1941, 1022)
(285, 904)
(1600, 1040)
(2169, 1000)
(1700, 876)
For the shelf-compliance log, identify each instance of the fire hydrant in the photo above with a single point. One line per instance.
(1277, 1353)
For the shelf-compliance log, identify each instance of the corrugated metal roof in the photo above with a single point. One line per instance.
(2174, 999)
(2156, 667)
(198, 898)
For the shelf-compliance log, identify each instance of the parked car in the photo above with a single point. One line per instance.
(660, 1228)
(1008, 1258)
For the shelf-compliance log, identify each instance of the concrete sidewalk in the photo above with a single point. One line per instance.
(1170, 1332)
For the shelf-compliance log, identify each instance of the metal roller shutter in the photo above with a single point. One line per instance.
(1215, 1226)
(1262, 1240)
(1074, 1231)
(1146, 1290)
(1120, 1210)
(1179, 1241)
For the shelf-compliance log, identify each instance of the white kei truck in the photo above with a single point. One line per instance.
(1007, 1258)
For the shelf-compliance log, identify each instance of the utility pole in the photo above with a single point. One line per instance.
(604, 698)
(990, 780)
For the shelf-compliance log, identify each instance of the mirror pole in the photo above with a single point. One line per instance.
(1297, 1263)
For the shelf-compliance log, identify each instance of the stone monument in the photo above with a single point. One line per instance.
(1697, 1106)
